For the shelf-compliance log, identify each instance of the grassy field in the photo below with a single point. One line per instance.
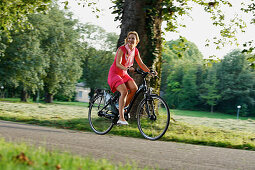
(215, 120)
(189, 126)
(20, 156)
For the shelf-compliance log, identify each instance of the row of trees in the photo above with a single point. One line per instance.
(53, 56)
(191, 82)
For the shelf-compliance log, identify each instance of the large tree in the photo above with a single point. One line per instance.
(146, 17)
(23, 65)
(45, 56)
(59, 41)
(236, 82)
(209, 92)
(182, 73)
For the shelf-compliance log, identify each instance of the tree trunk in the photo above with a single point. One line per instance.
(144, 17)
(211, 108)
(34, 98)
(91, 93)
(49, 98)
(24, 96)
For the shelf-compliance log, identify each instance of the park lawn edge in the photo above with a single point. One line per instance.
(177, 132)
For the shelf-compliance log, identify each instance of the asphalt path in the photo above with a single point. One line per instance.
(155, 154)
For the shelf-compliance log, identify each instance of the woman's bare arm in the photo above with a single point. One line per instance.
(119, 60)
(141, 64)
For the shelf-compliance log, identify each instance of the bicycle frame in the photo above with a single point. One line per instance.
(142, 88)
(152, 109)
(109, 102)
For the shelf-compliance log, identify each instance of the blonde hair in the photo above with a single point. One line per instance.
(135, 33)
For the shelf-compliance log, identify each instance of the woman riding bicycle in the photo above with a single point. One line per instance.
(118, 78)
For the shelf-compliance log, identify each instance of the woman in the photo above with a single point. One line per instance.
(118, 78)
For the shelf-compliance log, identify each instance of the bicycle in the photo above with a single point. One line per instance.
(153, 114)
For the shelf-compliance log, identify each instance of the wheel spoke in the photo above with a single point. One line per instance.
(153, 118)
(99, 123)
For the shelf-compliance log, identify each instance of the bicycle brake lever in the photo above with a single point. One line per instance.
(153, 73)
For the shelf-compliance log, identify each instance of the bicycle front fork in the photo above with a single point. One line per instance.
(150, 109)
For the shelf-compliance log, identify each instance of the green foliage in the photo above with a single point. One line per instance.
(97, 37)
(3, 42)
(45, 57)
(24, 64)
(14, 17)
(152, 13)
(199, 84)
(96, 63)
(96, 68)
(170, 11)
(183, 88)
(249, 8)
(53, 55)
(173, 51)
(209, 91)
(118, 9)
(180, 74)
(59, 42)
(236, 81)
(15, 12)
(182, 48)
(189, 87)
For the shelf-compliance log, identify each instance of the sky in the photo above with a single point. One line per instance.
(198, 29)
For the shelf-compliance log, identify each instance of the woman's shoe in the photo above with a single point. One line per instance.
(120, 122)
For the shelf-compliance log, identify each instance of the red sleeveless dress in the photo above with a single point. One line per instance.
(118, 76)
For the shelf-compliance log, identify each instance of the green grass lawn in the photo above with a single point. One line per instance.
(21, 156)
(13, 99)
(204, 114)
(17, 100)
(189, 127)
(215, 120)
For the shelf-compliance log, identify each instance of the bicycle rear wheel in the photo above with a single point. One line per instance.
(99, 123)
(153, 126)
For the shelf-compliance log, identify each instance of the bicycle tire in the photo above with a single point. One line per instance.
(153, 129)
(99, 124)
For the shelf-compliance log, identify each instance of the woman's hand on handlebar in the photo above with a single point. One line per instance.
(154, 73)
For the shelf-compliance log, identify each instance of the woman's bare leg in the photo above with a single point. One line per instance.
(122, 100)
(131, 85)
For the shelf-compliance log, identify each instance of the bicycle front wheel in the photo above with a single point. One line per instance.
(153, 117)
(99, 123)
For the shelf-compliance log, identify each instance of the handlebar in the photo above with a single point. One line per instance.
(144, 74)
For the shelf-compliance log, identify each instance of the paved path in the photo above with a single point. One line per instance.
(164, 155)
